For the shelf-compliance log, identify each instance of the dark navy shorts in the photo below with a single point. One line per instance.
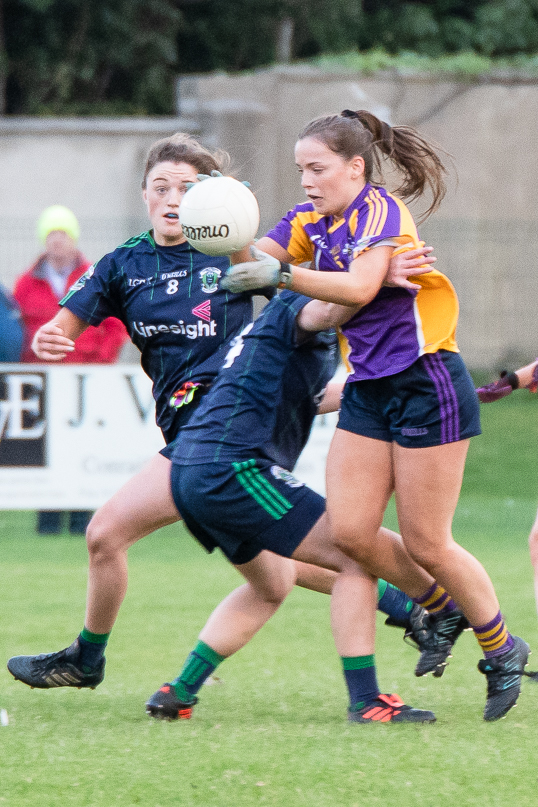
(431, 403)
(244, 507)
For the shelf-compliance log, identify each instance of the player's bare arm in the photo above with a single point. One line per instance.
(319, 316)
(358, 286)
(271, 247)
(332, 398)
(267, 264)
(54, 340)
(527, 375)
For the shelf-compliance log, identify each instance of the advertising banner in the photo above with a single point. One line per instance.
(71, 435)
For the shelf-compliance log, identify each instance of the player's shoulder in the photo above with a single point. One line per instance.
(291, 301)
(142, 241)
(381, 200)
(137, 243)
(139, 248)
(372, 194)
(304, 213)
(377, 212)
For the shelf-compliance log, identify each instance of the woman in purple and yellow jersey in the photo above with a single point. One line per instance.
(409, 406)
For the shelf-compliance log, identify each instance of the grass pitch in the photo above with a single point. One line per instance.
(274, 731)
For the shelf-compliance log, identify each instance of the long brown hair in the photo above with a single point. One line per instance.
(361, 133)
(183, 148)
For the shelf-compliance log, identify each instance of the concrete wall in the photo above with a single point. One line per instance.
(485, 234)
(486, 231)
(92, 165)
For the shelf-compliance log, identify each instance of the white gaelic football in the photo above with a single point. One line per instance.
(219, 215)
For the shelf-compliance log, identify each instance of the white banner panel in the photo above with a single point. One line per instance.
(71, 435)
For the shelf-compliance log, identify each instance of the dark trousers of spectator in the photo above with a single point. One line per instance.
(49, 522)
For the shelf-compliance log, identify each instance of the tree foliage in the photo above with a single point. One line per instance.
(121, 56)
(79, 57)
(433, 27)
(242, 34)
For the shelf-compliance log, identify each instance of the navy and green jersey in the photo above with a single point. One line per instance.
(266, 395)
(171, 304)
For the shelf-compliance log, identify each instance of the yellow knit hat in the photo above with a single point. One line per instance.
(57, 217)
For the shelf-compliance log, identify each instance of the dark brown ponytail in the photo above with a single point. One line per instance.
(362, 133)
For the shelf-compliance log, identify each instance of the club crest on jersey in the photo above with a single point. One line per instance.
(286, 477)
(210, 279)
(203, 311)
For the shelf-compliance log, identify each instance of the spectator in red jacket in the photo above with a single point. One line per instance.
(38, 292)
(39, 289)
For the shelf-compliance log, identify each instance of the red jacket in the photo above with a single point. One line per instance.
(38, 305)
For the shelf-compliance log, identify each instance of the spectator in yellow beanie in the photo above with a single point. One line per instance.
(38, 292)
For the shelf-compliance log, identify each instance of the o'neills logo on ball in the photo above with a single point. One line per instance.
(201, 233)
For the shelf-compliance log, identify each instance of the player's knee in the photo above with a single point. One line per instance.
(100, 539)
(93, 537)
(420, 553)
(273, 595)
(273, 592)
(433, 555)
(277, 596)
(353, 547)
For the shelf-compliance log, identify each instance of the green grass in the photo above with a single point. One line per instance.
(274, 732)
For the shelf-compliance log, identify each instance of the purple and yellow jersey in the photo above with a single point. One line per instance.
(398, 325)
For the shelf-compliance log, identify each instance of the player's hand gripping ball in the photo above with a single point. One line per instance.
(219, 215)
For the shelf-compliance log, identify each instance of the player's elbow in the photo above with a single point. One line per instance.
(361, 296)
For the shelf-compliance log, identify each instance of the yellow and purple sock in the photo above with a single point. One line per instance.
(493, 637)
(361, 679)
(436, 600)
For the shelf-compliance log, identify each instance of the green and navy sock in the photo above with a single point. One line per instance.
(361, 680)
(92, 649)
(393, 602)
(200, 664)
